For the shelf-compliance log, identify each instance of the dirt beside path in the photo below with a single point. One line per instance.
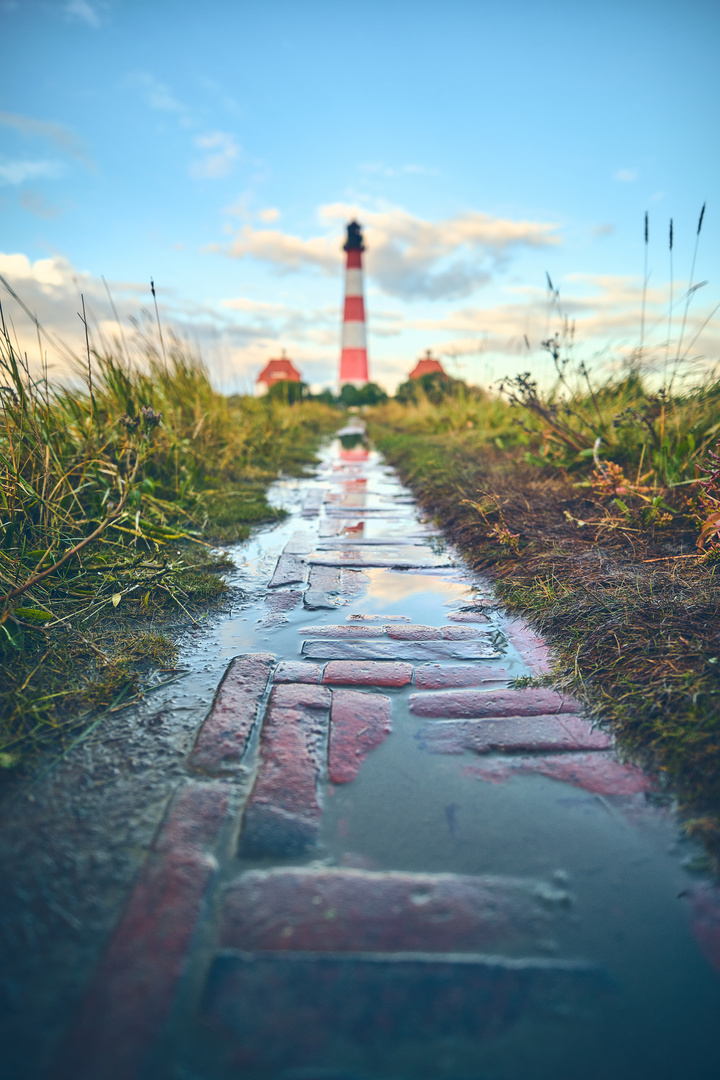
(349, 844)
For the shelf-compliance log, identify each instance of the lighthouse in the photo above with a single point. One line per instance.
(353, 358)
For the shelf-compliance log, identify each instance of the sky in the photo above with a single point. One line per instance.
(221, 148)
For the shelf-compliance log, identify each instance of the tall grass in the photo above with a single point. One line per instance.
(110, 492)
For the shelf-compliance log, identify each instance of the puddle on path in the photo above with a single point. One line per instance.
(614, 863)
(611, 984)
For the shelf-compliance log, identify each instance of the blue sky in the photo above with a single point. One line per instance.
(220, 147)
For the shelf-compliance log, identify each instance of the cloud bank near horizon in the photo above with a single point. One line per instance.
(408, 257)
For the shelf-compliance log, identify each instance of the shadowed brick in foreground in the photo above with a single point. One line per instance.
(358, 723)
(132, 991)
(223, 737)
(479, 703)
(283, 812)
(367, 673)
(399, 650)
(517, 733)
(448, 676)
(339, 1014)
(340, 910)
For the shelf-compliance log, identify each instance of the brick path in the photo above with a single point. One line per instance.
(253, 944)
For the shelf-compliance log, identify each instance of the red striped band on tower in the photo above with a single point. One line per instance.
(353, 356)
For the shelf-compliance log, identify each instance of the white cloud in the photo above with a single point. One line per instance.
(35, 203)
(17, 172)
(157, 95)
(269, 215)
(408, 257)
(64, 140)
(82, 11)
(221, 151)
(626, 176)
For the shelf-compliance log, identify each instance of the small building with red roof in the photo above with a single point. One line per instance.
(427, 365)
(276, 371)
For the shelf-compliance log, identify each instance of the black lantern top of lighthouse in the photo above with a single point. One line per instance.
(354, 240)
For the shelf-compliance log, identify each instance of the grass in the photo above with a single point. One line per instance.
(610, 548)
(111, 494)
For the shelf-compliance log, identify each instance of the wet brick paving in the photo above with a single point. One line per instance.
(383, 862)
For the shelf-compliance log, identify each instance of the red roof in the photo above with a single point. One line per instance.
(275, 370)
(427, 365)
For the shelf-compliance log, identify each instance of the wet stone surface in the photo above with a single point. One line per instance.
(342, 846)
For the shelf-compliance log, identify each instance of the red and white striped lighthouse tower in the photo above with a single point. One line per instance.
(353, 358)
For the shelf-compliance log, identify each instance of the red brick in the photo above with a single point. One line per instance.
(295, 671)
(282, 815)
(399, 650)
(358, 723)
(343, 631)
(530, 646)
(445, 677)
(599, 773)
(342, 910)
(321, 1012)
(459, 633)
(290, 570)
(330, 587)
(380, 618)
(466, 617)
(367, 673)
(503, 702)
(413, 632)
(285, 600)
(300, 543)
(223, 737)
(536, 733)
(132, 991)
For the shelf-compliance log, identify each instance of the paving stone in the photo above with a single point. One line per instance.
(133, 988)
(290, 570)
(503, 702)
(598, 772)
(358, 723)
(379, 618)
(300, 543)
(295, 671)
(367, 673)
(399, 650)
(282, 815)
(223, 737)
(330, 587)
(461, 633)
(343, 631)
(343, 910)
(516, 733)
(466, 617)
(378, 563)
(283, 600)
(447, 676)
(530, 645)
(341, 1014)
(414, 632)
(312, 502)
